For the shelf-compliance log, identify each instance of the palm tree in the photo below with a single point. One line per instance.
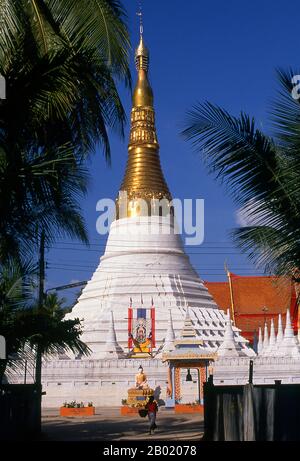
(40, 192)
(31, 329)
(62, 61)
(47, 329)
(261, 174)
(27, 326)
(16, 286)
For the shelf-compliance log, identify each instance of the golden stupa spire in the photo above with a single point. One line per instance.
(143, 178)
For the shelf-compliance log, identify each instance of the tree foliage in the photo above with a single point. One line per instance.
(260, 172)
(27, 326)
(62, 61)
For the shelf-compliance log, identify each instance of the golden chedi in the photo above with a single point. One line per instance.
(143, 178)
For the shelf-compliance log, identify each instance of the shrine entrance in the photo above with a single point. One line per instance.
(185, 381)
(189, 363)
(189, 385)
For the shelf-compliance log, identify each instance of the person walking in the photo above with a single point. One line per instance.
(152, 410)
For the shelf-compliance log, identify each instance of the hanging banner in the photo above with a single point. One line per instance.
(141, 329)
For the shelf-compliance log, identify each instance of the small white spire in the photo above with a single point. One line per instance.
(271, 349)
(112, 348)
(272, 341)
(279, 337)
(289, 345)
(260, 342)
(280, 331)
(170, 335)
(266, 338)
(188, 326)
(229, 347)
(112, 332)
(288, 332)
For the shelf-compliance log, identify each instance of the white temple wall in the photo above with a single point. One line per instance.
(105, 383)
(235, 371)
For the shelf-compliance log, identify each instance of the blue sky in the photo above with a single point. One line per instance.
(223, 52)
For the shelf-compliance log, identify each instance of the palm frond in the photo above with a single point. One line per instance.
(274, 249)
(61, 60)
(261, 176)
(237, 153)
(17, 284)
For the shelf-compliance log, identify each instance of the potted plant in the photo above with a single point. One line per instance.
(77, 409)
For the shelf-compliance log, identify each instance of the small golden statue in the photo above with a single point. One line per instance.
(138, 396)
(141, 379)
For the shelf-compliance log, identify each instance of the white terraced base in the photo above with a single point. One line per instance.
(152, 264)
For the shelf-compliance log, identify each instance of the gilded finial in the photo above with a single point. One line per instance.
(141, 53)
(140, 14)
(144, 178)
(142, 56)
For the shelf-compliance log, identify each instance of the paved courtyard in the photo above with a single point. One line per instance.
(109, 425)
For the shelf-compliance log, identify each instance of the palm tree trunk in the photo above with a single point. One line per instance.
(38, 383)
(38, 362)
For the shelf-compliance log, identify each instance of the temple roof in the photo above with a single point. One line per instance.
(255, 299)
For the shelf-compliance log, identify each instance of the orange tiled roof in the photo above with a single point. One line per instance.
(253, 294)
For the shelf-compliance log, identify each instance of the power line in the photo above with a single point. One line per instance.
(137, 248)
(96, 240)
(93, 262)
(133, 244)
(90, 265)
(136, 273)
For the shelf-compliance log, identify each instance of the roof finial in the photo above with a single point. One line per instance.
(140, 14)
